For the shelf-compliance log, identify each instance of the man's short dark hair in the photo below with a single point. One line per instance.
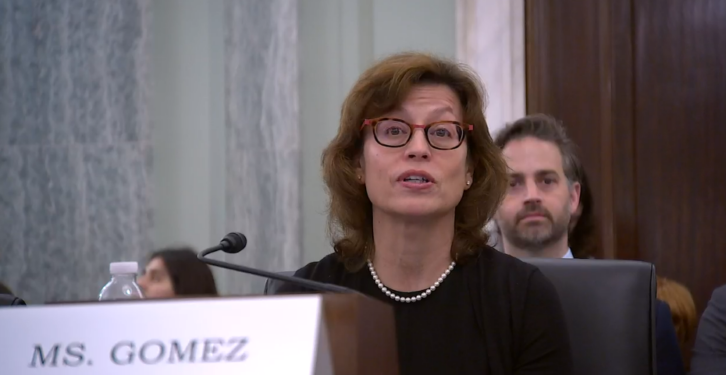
(545, 128)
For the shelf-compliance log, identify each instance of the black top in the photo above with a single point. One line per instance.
(495, 315)
(435, 332)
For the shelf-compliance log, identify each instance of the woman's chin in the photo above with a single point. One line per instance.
(420, 209)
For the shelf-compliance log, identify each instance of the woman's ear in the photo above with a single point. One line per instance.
(468, 178)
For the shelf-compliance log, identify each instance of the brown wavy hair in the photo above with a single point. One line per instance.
(381, 89)
(683, 309)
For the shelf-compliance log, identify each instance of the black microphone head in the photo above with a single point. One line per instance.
(233, 243)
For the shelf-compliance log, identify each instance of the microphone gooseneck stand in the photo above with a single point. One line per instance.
(235, 242)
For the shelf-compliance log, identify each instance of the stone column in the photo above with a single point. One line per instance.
(490, 38)
(74, 144)
(262, 137)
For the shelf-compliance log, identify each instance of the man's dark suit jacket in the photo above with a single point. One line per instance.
(709, 351)
(667, 350)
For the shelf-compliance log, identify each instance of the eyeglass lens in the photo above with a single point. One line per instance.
(442, 135)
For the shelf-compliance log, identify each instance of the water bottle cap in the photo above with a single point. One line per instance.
(124, 267)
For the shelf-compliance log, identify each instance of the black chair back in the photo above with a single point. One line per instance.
(610, 307)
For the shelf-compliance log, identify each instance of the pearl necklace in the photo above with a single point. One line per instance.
(409, 299)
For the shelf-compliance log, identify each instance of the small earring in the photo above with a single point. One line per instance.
(468, 183)
(359, 178)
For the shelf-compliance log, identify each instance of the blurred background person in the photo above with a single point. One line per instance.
(543, 194)
(537, 215)
(582, 239)
(683, 310)
(175, 272)
(709, 351)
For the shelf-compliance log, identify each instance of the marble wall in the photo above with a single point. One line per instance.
(490, 38)
(74, 144)
(338, 40)
(262, 137)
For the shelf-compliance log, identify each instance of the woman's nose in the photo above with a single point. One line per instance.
(418, 146)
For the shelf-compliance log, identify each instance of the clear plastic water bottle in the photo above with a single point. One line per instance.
(123, 284)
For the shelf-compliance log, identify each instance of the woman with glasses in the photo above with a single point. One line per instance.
(413, 176)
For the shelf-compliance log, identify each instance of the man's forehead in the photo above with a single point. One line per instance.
(531, 156)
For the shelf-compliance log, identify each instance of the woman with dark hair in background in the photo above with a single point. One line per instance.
(175, 272)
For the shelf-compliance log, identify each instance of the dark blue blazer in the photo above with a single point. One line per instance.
(709, 351)
(667, 350)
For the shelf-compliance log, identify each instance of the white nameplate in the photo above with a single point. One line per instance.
(220, 336)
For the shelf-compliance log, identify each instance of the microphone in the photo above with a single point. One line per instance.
(235, 242)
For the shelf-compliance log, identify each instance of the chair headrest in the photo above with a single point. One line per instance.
(609, 306)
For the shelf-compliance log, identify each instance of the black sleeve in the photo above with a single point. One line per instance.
(709, 351)
(545, 344)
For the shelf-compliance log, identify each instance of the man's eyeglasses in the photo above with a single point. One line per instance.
(441, 135)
